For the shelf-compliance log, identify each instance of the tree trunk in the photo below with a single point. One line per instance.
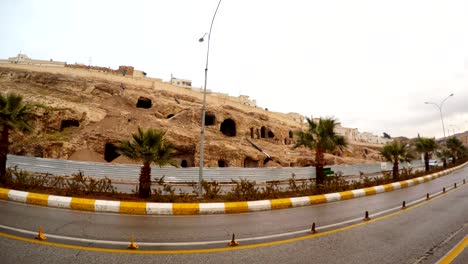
(426, 161)
(319, 164)
(145, 181)
(3, 153)
(396, 171)
(445, 162)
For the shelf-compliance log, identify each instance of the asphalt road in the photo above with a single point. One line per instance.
(423, 233)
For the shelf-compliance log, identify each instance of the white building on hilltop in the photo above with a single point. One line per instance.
(24, 59)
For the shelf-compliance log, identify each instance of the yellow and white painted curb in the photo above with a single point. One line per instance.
(205, 208)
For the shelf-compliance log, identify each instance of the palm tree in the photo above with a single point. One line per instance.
(456, 148)
(426, 146)
(444, 153)
(395, 152)
(14, 115)
(148, 146)
(320, 137)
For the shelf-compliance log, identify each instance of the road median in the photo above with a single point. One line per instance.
(151, 208)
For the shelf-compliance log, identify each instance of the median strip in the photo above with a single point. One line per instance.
(126, 207)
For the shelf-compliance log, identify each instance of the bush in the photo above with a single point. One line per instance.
(211, 189)
(244, 190)
(77, 185)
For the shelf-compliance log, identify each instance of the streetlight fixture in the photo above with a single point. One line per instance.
(439, 106)
(202, 131)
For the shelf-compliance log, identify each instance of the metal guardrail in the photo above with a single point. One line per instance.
(180, 175)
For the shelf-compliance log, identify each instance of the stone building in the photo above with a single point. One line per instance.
(24, 59)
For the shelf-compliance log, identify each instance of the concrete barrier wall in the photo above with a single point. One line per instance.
(178, 175)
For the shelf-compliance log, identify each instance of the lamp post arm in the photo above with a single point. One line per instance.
(202, 131)
(209, 37)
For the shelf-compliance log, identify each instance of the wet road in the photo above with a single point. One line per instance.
(424, 233)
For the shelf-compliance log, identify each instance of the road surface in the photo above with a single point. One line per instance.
(423, 233)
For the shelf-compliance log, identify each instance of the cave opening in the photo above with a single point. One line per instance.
(170, 116)
(144, 102)
(251, 132)
(228, 127)
(250, 163)
(110, 152)
(222, 163)
(210, 119)
(262, 132)
(290, 134)
(69, 123)
(270, 134)
(184, 164)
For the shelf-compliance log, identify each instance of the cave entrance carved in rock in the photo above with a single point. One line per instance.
(222, 163)
(144, 102)
(228, 127)
(270, 134)
(250, 163)
(210, 119)
(69, 123)
(263, 132)
(110, 152)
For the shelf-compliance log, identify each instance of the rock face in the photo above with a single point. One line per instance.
(84, 117)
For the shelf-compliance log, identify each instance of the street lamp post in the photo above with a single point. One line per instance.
(440, 110)
(202, 131)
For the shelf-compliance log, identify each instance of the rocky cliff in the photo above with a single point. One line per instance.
(83, 117)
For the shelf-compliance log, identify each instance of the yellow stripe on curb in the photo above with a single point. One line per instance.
(82, 204)
(4, 193)
(403, 184)
(280, 203)
(347, 195)
(317, 199)
(369, 191)
(415, 181)
(236, 207)
(388, 187)
(38, 199)
(132, 207)
(222, 249)
(185, 208)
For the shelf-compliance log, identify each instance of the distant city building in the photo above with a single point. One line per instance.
(181, 82)
(296, 117)
(24, 59)
(245, 100)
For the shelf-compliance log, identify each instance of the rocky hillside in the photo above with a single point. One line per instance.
(83, 118)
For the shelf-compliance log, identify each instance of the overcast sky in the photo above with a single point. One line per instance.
(370, 64)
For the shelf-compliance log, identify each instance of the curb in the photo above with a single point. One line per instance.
(147, 208)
